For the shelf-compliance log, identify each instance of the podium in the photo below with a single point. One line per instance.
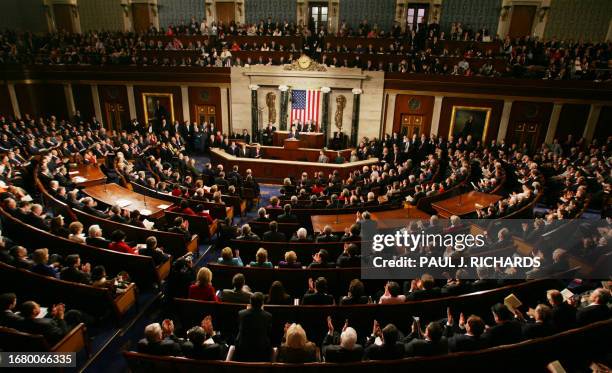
(292, 143)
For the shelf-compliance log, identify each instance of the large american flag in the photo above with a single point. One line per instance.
(305, 106)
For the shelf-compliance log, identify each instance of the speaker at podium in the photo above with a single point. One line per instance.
(292, 143)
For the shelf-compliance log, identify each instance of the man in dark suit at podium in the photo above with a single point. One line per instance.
(294, 134)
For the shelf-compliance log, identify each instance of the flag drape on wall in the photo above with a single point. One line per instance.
(305, 106)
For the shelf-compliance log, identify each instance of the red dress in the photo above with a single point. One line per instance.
(122, 247)
(202, 292)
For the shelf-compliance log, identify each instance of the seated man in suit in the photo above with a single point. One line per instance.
(257, 152)
(53, 328)
(89, 206)
(321, 259)
(327, 235)
(301, 235)
(350, 257)
(73, 271)
(432, 344)
(154, 342)
(472, 339)
(151, 249)
(8, 317)
(247, 234)
(35, 217)
(424, 288)
(239, 292)
(203, 347)
(597, 309)
(322, 157)
(254, 327)
(540, 326)
(317, 293)
(287, 216)
(506, 330)
(563, 314)
(341, 348)
(389, 349)
(95, 238)
(273, 235)
(294, 134)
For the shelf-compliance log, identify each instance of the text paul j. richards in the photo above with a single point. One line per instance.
(461, 262)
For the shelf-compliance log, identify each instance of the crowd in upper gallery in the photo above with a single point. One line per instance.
(423, 46)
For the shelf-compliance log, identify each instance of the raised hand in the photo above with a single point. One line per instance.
(330, 325)
(449, 316)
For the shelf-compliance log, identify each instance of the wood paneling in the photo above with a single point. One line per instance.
(206, 96)
(447, 108)
(530, 114)
(6, 108)
(141, 17)
(41, 99)
(572, 121)
(522, 20)
(604, 125)
(83, 101)
(414, 105)
(176, 98)
(64, 17)
(225, 11)
(116, 96)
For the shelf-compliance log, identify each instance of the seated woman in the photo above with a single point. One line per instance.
(118, 243)
(277, 294)
(227, 258)
(57, 227)
(297, 348)
(356, 294)
(261, 259)
(290, 261)
(76, 232)
(202, 289)
(392, 294)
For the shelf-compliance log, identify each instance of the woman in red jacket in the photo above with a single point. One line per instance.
(202, 289)
(118, 243)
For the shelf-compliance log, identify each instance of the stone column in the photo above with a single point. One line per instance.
(325, 114)
(254, 112)
(355, 120)
(390, 114)
(591, 124)
(505, 120)
(131, 101)
(284, 105)
(14, 101)
(435, 118)
(185, 102)
(96, 102)
(225, 118)
(69, 99)
(552, 124)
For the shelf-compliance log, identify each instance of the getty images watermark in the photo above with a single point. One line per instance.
(486, 249)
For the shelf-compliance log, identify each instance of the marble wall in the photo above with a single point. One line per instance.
(340, 80)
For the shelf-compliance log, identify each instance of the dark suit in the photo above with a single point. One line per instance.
(502, 334)
(592, 313)
(216, 351)
(334, 353)
(317, 299)
(274, 236)
(327, 238)
(10, 319)
(284, 218)
(464, 342)
(166, 347)
(422, 347)
(52, 329)
(75, 275)
(384, 352)
(536, 330)
(100, 242)
(563, 317)
(253, 341)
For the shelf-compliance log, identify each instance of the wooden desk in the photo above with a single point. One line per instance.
(390, 219)
(464, 204)
(275, 170)
(87, 175)
(112, 194)
(310, 140)
(292, 144)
